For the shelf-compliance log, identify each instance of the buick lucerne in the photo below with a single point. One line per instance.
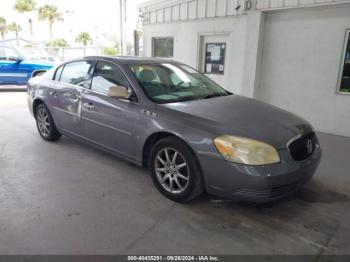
(192, 134)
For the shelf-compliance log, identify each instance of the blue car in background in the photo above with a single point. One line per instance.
(15, 68)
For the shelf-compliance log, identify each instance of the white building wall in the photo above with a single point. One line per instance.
(183, 10)
(200, 9)
(302, 54)
(279, 4)
(186, 42)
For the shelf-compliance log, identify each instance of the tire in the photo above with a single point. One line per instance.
(45, 124)
(185, 171)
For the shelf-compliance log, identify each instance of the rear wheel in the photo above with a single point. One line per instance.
(175, 170)
(45, 124)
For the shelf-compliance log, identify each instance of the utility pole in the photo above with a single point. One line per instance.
(122, 17)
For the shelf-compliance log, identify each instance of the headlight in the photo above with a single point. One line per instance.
(246, 151)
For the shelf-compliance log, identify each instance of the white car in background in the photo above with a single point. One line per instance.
(38, 53)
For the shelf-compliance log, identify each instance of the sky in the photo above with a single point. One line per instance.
(99, 18)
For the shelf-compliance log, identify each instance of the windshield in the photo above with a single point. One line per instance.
(166, 83)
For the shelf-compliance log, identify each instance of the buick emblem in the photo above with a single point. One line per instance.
(309, 146)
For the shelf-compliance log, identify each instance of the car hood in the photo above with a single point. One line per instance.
(246, 117)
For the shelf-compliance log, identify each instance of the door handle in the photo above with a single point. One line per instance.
(89, 106)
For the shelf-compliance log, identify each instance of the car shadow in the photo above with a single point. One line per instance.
(315, 210)
(313, 192)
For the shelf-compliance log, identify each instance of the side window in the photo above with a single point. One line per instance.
(3, 53)
(345, 74)
(8, 54)
(11, 54)
(58, 73)
(77, 73)
(105, 76)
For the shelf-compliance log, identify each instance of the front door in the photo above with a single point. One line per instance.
(74, 79)
(107, 121)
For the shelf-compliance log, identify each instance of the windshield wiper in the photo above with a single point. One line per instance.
(213, 95)
(170, 101)
(189, 98)
(178, 99)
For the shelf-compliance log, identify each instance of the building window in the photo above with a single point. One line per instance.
(163, 47)
(215, 58)
(345, 73)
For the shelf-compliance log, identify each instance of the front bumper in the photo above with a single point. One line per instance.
(258, 184)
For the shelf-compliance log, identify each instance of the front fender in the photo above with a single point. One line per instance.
(199, 140)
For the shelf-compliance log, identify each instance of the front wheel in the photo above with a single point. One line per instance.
(175, 170)
(45, 124)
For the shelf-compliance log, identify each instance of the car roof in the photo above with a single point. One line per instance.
(133, 59)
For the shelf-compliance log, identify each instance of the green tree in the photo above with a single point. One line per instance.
(14, 27)
(58, 43)
(84, 38)
(3, 27)
(50, 13)
(109, 51)
(114, 41)
(25, 6)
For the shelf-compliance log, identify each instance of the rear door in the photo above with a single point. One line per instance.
(109, 121)
(74, 79)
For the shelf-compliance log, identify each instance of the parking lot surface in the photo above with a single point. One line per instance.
(69, 198)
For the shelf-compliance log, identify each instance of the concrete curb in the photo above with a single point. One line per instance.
(12, 88)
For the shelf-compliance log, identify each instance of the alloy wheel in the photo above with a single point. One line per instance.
(172, 170)
(43, 122)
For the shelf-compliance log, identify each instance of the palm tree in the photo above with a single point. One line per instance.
(49, 13)
(24, 6)
(14, 27)
(3, 27)
(83, 38)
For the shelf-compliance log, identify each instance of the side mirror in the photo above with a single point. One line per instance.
(118, 92)
(38, 73)
(16, 59)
